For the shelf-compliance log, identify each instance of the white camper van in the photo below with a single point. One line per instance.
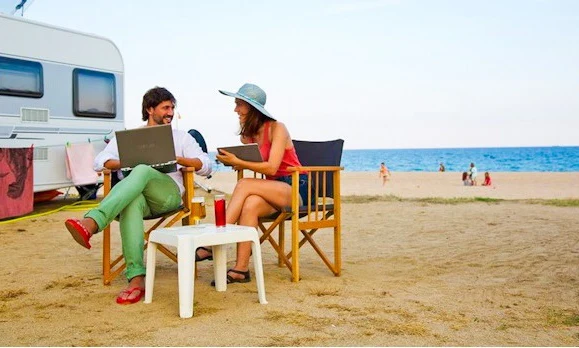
(57, 86)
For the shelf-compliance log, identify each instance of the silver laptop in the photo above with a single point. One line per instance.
(152, 146)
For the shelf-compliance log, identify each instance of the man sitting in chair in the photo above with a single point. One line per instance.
(145, 192)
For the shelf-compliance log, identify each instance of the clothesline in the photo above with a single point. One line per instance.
(88, 140)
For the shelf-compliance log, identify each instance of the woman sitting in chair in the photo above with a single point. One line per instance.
(254, 198)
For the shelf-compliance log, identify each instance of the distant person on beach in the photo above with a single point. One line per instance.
(441, 168)
(384, 173)
(473, 173)
(143, 193)
(466, 179)
(487, 181)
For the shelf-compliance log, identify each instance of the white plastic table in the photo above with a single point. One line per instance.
(187, 239)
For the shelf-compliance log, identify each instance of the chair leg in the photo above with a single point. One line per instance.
(281, 239)
(258, 270)
(150, 276)
(167, 252)
(335, 267)
(295, 249)
(266, 234)
(337, 251)
(107, 255)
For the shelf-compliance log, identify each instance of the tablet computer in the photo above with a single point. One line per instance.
(246, 152)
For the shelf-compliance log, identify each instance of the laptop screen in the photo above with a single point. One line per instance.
(152, 145)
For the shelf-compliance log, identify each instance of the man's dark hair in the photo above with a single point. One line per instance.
(154, 97)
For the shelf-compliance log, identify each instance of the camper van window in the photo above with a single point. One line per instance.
(94, 93)
(20, 78)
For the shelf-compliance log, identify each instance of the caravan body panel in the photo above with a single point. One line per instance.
(77, 83)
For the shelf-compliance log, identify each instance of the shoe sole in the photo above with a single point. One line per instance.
(76, 235)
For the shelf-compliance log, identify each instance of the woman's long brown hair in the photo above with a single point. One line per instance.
(253, 122)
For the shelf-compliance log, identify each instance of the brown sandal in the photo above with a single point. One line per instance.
(208, 257)
(230, 279)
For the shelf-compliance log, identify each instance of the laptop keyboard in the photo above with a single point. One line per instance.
(163, 164)
(159, 165)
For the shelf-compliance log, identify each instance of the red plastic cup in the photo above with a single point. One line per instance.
(220, 210)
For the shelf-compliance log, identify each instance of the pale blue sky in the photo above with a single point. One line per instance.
(377, 73)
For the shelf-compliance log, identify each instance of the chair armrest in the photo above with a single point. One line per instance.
(189, 184)
(107, 181)
(255, 174)
(315, 169)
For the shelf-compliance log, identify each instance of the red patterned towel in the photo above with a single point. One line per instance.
(16, 182)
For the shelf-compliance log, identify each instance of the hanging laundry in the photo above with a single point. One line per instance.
(16, 182)
(79, 164)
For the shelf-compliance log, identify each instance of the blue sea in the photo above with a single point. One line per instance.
(492, 159)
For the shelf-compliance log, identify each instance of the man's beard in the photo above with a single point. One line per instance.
(161, 121)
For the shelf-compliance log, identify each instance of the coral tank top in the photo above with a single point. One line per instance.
(289, 159)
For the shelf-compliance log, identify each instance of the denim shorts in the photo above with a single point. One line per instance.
(303, 182)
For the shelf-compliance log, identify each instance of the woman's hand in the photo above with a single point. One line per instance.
(227, 158)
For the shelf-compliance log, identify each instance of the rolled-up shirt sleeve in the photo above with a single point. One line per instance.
(111, 151)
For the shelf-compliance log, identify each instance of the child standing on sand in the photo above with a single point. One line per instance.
(384, 173)
(473, 173)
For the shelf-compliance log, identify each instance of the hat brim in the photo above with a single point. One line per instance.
(250, 101)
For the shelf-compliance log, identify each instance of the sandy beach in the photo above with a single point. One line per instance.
(497, 271)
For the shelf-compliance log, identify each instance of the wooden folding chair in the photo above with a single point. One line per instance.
(111, 269)
(321, 162)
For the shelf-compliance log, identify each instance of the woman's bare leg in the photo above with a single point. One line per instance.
(253, 208)
(276, 193)
(273, 194)
(251, 199)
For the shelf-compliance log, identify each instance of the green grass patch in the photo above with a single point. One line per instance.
(456, 200)
(558, 317)
(363, 199)
(555, 202)
(359, 199)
